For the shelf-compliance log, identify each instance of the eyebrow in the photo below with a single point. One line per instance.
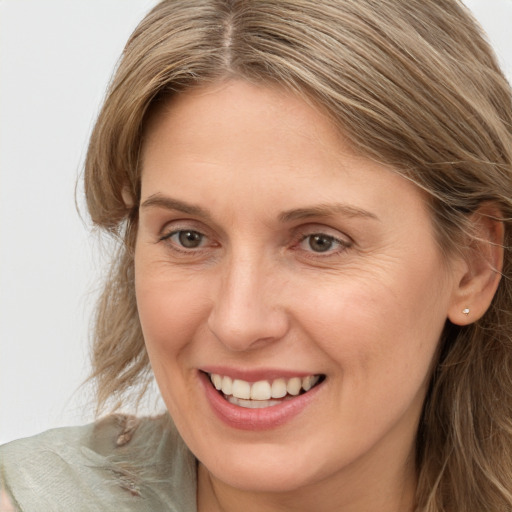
(322, 210)
(169, 203)
(326, 210)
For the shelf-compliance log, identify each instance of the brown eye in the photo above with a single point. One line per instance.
(189, 239)
(320, 242)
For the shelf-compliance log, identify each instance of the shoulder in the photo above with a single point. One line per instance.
(119, 463)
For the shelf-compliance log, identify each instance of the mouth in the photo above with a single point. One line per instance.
(263, 393)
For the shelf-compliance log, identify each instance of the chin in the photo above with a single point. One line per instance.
(262, 478)
(265, 468)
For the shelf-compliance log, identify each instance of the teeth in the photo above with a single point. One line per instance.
(279, 388)
(294, 385)
(241, 389)
(263, 390)
(227, 385)
(309, 382)
(252, 404)
(217, 381)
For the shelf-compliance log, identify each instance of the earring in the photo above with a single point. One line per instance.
(465, 311)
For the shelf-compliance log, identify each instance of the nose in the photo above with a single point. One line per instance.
(248, 311)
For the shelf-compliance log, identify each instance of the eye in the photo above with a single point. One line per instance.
(323, 243)
(320, 243)
(186, 238)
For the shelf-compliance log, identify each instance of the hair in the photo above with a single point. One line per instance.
(413, 85)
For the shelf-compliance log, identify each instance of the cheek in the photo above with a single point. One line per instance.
(381, 329)
(171, 308)
(170, 313)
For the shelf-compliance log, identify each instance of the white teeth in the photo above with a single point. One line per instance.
(262, 391)
(252, 404)
(293, 386)
(309, 381)
(227, 385)
(217, 381)
(241, 389)
(279, 388)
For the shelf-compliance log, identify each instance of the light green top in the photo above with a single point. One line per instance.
(119, 464)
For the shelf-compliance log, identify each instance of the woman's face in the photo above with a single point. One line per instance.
(269, 258)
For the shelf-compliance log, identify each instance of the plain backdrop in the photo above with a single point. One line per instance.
(56, 58)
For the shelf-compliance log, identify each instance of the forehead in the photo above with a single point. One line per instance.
(247, 108)
(250, 143)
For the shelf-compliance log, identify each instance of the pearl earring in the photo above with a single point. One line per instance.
(465, 311)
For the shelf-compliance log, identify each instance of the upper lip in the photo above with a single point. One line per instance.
(256, 374)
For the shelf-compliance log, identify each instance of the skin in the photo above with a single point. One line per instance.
(6, 503)
(256, 293)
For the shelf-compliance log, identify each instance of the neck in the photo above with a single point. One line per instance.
(349, 491)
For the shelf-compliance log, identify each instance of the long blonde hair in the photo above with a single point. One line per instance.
(412, 84)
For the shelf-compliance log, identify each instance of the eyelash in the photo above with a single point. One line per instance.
(176, 246)
(342, 244)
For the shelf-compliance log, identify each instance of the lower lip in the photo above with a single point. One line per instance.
(256, 419)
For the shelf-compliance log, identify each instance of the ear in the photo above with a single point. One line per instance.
(479, 269)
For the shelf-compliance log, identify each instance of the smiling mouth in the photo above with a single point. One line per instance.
(263, 393)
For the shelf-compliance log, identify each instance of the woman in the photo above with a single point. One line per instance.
(314, 200)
